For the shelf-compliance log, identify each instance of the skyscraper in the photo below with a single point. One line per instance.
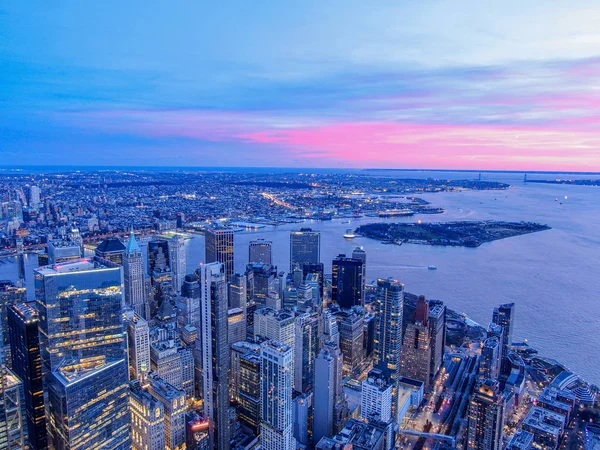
(504, 316)
(238, 292)
(347, 281)
(437, 332)
(305, 247)
(23, 322)
(178, 259)
(138, 338)
(250, 390)
(260, 251)
(351, 331)
(324, 399)
(416, 347)
(13, 425)
(376, 397)
(485, 417)
(160, 267)
(134, 278)
(306, 347)
(388, 334)
(9, 295)
(83, 349)
(219, 248)
(360, 254)
(215, 351)
(489, 365)
(276, 396)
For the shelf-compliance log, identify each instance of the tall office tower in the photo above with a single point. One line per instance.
(277, 365)
(34, 197)
(138, 339)
(489, 365)
(219, 248)
(485, 417)
(340, 408)
(174, 364)
(317, 270)
(134, 278)
(416, 352)
(262, 281)
(388, 334)
(111, 249)
(306, 348)
(21, 281)
(324, 399)
(147, 419)
(236, 325)
(23, 323)
(173, 400)
(238, 292)
(238, 350)
(260, 251)
(351, 328)
(360, 254)
(347, 282)
(376, 397)
(437, 332)
(504, 315)
(301, 404)
(215, 351)
(188, 304)
(178, 259)
(276, 325)
(196, 431)
(9, 295)
(13, 423)
(83, 348)
(305, 247)
(250, 390)
(60, 251)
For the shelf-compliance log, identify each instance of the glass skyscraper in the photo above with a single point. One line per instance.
(347, 281)
(219, 248)
(305, 247)
(83, 349)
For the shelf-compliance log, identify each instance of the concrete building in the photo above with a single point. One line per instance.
(174, 404)
(147, 419)
(485, 417)
(138, 338)
(278, 325)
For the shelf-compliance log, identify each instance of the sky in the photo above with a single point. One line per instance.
(481, 85)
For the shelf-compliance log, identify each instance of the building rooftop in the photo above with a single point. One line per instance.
(110, 245)
(522, 440)
(545, 420)
(76, 265)
(26, 311)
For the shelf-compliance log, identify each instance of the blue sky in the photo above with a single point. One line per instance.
(461, 84)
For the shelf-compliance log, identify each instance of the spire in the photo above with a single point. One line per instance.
(132, 245)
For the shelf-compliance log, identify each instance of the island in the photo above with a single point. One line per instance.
(463, 234)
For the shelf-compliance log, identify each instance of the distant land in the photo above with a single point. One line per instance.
(461, 234)
(573, 182)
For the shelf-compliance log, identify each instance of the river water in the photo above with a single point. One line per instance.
(552, 276)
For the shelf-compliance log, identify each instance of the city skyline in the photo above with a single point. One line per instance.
(401, 86)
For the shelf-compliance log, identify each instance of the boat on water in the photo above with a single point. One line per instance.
(395, 213)
(432, 267)
(349, 234)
